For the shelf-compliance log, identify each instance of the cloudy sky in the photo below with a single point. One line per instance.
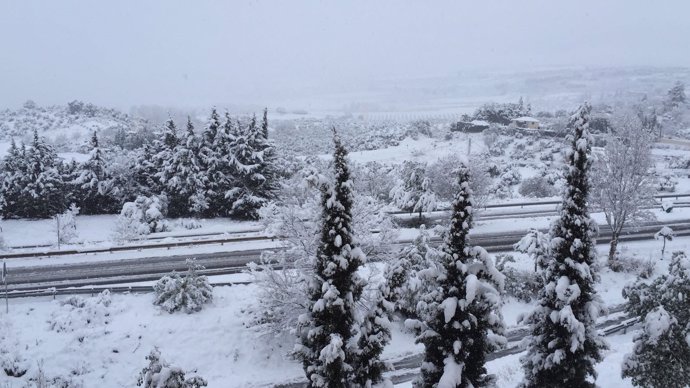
(129, 52)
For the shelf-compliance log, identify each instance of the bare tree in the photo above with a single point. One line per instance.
(622, 177)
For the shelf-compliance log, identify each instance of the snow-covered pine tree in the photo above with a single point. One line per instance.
(211, 164)
(676, 96)
(12, 173)
(264, 124)
(413, 190)
(143, 168)
(97, 192)
(254, 172)
(42, 184)
(661, 356)
(329, 325)
(460, 319)
(402, 274)
(184, 177)
(564, 344)
(374, 335)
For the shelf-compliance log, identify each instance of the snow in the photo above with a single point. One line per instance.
(657, 323)
(449, 305)
(452, 374)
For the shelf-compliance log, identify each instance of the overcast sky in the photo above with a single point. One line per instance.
(124, 52)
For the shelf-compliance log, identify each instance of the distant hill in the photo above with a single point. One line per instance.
(68, 126)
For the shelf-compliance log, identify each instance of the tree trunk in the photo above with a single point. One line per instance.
(614, 245)
(663, 249)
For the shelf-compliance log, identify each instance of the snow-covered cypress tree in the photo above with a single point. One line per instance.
(264, 124)
(143, 168)
(564, 344)
(334, 288)
(97, 192)
(460, 319)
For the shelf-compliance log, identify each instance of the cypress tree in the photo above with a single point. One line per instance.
(460, 318)
(13, 169)
(334, 289)
(564, 344)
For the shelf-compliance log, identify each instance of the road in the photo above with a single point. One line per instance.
(152, 268)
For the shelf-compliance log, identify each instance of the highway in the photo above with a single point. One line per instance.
(228, 262)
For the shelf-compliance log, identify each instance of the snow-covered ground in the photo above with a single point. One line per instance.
(106, 345)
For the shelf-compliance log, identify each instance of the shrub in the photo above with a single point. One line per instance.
(66, 227)
(536, 187)
(188, 293)
(143, 216)
(77, 313)
(189, 223)
(661, 356)
(160, 374)
(522, 285)
(644, 268)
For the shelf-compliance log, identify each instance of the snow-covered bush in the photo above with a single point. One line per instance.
(186, 293)
(522, 285)
(143, 216)
(643, 268)
(661, 356)
(66, 227)
(445, 188)
(189, 223)
(76, 313)
(12, 362)
(160, 374)
(536, 187)
(374, 179)
(667, 183)
(403, 274)
(534, 244)
(413, 191)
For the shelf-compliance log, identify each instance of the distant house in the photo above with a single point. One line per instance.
(525, 122)
(474, 126)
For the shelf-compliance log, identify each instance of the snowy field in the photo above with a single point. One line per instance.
(105, 342)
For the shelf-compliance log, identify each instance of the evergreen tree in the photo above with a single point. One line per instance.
(334, 288)
(264, 124)
(211, 162)
(143, 168)
(12, 174)
(661, 356)
(564, 344)
(255, 174)
(374, 335)
(675, 96)
(42, 187)
(98, 193)
(460, 318)
(184, 178)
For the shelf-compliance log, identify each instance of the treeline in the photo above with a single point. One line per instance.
(227, 169)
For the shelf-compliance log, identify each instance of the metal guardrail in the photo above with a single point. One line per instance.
(54, 291)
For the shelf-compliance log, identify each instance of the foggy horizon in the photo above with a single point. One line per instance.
(182, 54)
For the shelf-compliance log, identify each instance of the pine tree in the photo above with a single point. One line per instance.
(254, 172)
(334, 289)
(211, 162)
(42, 186)
(675, 96)
(264, 124)
(143, 168)
(374, 335)
(460, 319)
(184, 178)
(98, 194)
(564, 344)
(12, 173)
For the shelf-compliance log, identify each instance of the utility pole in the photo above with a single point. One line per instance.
(4, 280)
(57, 219)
